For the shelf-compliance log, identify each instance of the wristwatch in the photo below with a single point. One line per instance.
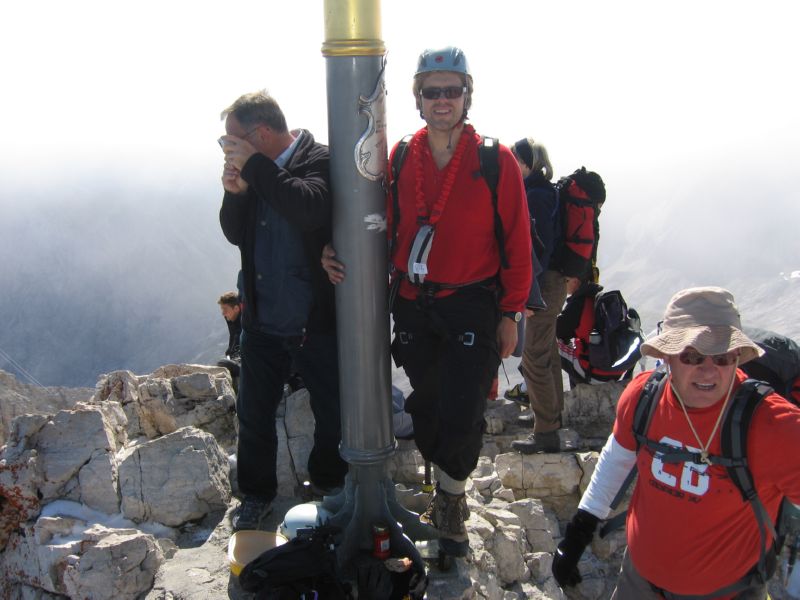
(514, 316)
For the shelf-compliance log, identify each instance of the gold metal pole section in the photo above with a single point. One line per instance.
(353, 28)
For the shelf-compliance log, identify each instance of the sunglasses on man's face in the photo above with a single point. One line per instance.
(694, 358)
(450, 92)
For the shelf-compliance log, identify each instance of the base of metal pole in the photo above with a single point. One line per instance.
(369, 499)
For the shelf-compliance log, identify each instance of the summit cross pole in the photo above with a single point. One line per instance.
(355, 63)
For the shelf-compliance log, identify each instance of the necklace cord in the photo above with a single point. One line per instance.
(704, 448)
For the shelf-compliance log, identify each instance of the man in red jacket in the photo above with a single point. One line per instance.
(458, 302)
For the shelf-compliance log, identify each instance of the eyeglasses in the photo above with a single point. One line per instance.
(450, 92)
(693, 357)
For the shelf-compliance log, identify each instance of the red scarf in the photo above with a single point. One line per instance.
(419, 144)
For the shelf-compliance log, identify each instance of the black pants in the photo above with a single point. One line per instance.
(448, 348)
(266, 364)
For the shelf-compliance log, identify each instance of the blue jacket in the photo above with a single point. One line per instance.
(545, 214)
(300, 193)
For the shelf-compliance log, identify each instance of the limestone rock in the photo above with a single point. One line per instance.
(171, 371)
(546, 474)
(590, 409)
(17, 399)
(172, 397)
(66, 444)
(18, 492)
(99, 483)
(406, 465)
(507, 546)
(119, 566)
(298, 418)
(69, 557)
(55, 456)
(187, 464)
(540, 526)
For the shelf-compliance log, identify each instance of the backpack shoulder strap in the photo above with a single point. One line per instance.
(735, 429)
(646, 406)
(488, 158)
(398, 158)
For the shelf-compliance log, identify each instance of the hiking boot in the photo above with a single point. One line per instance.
(526, 419)
(250, 513)
(517, 395)
(544, 441)
(447, 513)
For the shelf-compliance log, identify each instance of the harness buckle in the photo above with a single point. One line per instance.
(467, 338)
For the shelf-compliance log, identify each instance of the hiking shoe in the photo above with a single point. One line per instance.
(517, 395)
(250, 513)
(447, 513)
(544, 441)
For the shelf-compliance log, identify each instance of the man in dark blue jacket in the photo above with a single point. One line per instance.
(277, 210)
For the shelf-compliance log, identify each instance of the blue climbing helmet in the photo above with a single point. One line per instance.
(444, 59)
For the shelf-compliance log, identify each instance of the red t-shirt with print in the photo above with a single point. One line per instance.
(689, 530)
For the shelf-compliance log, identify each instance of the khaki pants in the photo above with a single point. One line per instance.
(541, 364)
(631, 586)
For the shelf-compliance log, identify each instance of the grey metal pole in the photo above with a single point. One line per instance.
(355, 64)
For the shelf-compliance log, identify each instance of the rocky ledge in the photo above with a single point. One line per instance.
(127, 494)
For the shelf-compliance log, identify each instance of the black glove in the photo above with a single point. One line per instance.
(578, 535)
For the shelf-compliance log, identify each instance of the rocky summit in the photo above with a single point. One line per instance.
(125, 492)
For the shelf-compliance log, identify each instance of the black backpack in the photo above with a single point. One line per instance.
(780, 365)
(615, 340)
(735, 428)
(304, 566)
(580, 197)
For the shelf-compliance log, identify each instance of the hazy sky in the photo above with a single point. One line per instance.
(611, 84)
(109, 167)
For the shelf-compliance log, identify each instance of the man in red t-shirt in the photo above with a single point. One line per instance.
(689, 531)
(458, 303)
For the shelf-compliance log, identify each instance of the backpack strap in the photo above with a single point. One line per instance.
(735, 429)
(489, 161)
(398, 158)
(646, 406)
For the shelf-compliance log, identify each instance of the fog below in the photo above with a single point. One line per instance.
(122, 270)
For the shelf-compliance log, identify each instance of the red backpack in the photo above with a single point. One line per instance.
(580, 197)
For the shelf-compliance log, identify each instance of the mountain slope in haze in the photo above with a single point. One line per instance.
(122, 271)
(107, 277)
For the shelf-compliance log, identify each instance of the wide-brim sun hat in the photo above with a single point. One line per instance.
(705, 318)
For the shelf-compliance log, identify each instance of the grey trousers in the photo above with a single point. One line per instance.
(541, 363)
(631, 586)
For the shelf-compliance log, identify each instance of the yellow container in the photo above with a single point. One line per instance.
(247, 545)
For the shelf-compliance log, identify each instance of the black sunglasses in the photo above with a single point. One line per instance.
(450, 92)
(693, 357)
